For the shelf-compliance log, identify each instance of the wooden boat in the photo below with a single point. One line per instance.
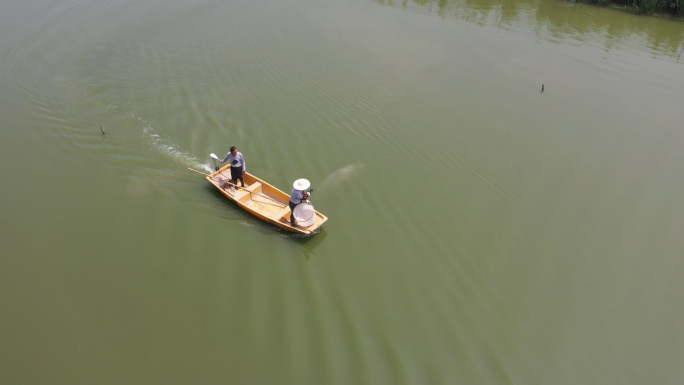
(261, 199)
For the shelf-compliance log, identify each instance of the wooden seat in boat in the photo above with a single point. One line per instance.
(285, 211)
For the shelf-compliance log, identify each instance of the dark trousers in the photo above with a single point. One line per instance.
(292, 206)
(235, 174)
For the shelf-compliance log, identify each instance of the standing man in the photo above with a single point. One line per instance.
(297, 196)
(237, 165)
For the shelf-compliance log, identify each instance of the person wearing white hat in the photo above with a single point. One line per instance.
(298, 195)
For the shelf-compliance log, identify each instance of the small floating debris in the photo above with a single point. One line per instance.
(542, 89)
(102, 129)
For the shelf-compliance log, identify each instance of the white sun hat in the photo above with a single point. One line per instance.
(305, 215)
(301, 184)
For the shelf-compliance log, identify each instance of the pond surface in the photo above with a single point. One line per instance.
(481, 231)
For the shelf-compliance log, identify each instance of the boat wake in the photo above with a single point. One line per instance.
(173, 151)
(340, 175)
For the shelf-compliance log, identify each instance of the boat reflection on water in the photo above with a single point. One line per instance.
(310, 243)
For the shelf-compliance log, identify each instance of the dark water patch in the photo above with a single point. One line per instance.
(665, 37)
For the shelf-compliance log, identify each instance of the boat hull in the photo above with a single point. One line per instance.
(262, 200)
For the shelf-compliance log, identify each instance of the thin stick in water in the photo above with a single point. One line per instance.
(200, 172)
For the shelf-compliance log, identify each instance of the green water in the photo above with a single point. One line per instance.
(480, 231)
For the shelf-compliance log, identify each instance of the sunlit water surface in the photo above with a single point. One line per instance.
(480, 232)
